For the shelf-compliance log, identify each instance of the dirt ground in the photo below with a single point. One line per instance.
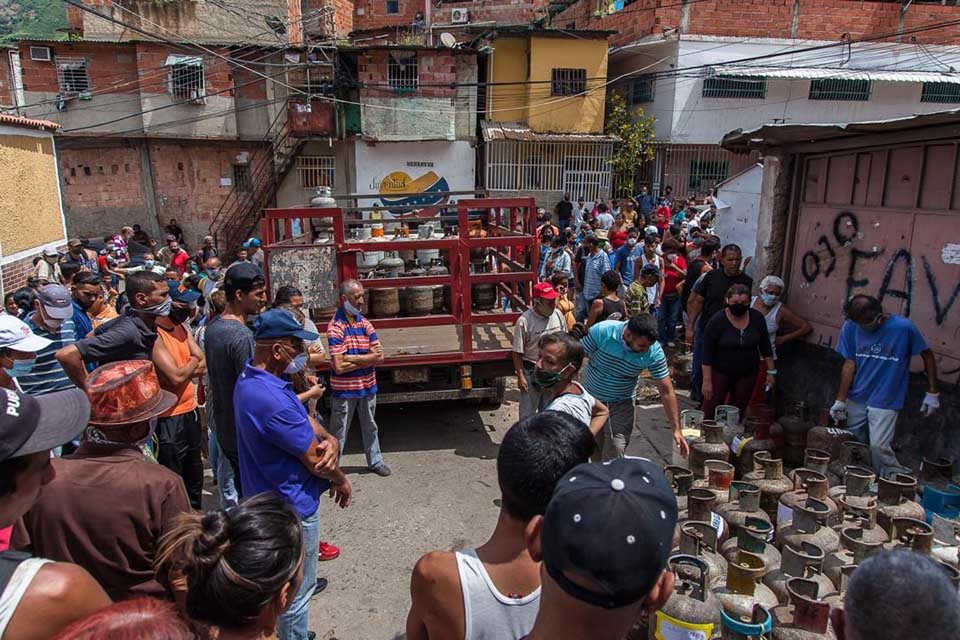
(443, 494)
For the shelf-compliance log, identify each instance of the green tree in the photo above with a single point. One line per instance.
(634, 131)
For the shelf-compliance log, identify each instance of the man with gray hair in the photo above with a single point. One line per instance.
(898, 595)
(354, 352)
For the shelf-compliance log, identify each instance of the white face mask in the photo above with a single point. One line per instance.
(298, 364)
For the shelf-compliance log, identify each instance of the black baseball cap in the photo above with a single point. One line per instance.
(242, 276)
(30, 424)
(609, 526)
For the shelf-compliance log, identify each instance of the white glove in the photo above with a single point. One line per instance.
(931, 402)
(839, 411)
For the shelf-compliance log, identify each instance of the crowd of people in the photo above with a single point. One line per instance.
(124, 365)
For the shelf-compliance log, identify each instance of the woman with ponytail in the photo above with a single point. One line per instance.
(236, 570)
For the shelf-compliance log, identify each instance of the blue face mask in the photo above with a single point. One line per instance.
(769, 299)
(149, 264)
(352, 310)
(298, 364)
(20, 367)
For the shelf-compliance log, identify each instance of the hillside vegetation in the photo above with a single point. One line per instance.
(37, 19)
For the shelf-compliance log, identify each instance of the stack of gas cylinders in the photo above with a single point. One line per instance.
(776, 514)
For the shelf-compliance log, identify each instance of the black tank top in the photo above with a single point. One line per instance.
(613, 310)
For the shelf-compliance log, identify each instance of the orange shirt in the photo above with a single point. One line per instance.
(175, 341)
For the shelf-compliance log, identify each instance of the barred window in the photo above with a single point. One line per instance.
(186, 82)
(705, 174)
(393, 6)
(568, 82)
(839, 89)
(402, 72)
(241, 177)
(73, 75)
(943, 92)
(642, 89)
(315, 171)
(748, 87)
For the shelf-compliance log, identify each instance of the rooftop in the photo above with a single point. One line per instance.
(30, 123)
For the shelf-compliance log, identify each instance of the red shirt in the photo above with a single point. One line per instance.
(179, 261)
(618, 238)
(672, 277)
(662, 218)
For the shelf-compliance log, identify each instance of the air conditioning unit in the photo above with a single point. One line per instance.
(459, 16)
(40, 54)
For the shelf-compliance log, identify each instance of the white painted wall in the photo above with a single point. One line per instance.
(737, 222)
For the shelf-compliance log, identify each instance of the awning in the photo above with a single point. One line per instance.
(176, 59)
(493, 131)
(813, 73)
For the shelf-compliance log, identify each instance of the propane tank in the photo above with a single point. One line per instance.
(692, 610)
(807, 617)
(913, 534)
(946, 542)
(769, 477)
(708, 447)
(856, 548)
(323, 199)
(690, 421)
(806, 527)
(681, 480)
(756, 626)
(936, 472)
(700, 508)
(755, 438)
(743, 588)
(743, 504)
(857, 483)
(895, 499)
(718, 480)
(754, 536)
(729, 416)
(805, 561)
(795, 425)
(863, 515)
(851, 453)
(807, 483)
(827, 437)
(700, 539)
(815, 460)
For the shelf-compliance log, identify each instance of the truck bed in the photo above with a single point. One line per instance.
(440, 339)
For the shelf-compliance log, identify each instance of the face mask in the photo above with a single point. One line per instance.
(53, 324)
(20, 367)
(162, 309)
(738, 309)
(547, 379)
(149, 263)
(632, 242)
(213, 273)
(769, 299)
(298, 364)
(179, 315)
(51, 259)
(352, 310)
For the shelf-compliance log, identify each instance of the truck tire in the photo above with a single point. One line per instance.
(492, 404)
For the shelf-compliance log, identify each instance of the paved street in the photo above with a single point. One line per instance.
(442, 495)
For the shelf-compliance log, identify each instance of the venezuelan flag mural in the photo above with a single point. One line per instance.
(429, 187)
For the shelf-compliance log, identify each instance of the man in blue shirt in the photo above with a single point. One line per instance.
(52, 318)
(282, 449)
(626, 257)
(876, 349)
(596, 263)
(618, 353)
(646, 203)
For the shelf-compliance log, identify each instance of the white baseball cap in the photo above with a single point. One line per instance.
(15, 334)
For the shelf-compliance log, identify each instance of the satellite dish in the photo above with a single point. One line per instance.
(448, 39)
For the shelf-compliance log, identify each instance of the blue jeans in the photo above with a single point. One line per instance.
(341, 414)
(696, 372)
(294, 622)
(580, 307)
(224, 472)
(667, 318)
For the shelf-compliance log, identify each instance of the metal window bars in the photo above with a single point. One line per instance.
(642, 89)
(746, 87)
(839, 89)
(941, 92)
(580, 168)
(241, 177)
(568, 82)
(73, 75)
(402, 72)
(187, 82)
(315, 171)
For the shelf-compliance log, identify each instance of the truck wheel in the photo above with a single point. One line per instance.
(492, 404)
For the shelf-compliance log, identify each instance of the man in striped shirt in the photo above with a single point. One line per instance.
(354, 352)
(51, 319)
(619, 352)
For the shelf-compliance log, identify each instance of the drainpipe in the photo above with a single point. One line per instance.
(428, 20)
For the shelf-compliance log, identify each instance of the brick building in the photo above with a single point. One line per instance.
(457, 16)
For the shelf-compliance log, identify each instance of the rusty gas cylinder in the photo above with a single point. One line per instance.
(709, 446)
(756, 626)
(421, 300)
(806, 483)
(729, 417)
(691, 607)
(682, 361)
(754, 536)
(743, 589)
(895, 499)
(769, 477)
(719, 477)
(743, 503)
(384, 303)
(756, 438)
(701, 504)
(700, 539)
(806, 617)
(855, 548)
(936, 472)
(910, 533)
(690, 421)
(763, 414)
(807, 527)
(827, 437)
(796, 425)
(851, 453)
(483, 296)
(857, 481)
(815, 460)
(860, 513)
(804, 561)
(681, 480)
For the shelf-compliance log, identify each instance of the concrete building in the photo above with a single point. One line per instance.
(30, 204)
(868, 207)
(704, 68)
(738, 208)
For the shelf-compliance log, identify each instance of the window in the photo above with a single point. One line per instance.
(642, 89)
(241, 177)
(402, 74)
(315, 171)
(568, 82)
(940, 92)
(393, 6)
(705, 174)
(749, 87)
(185, 78)
(73, 75)
(839, 89)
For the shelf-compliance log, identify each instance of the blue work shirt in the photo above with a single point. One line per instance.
(273, 431)
(883, 360)
(627, 257)
(646, 204)
(594, 267)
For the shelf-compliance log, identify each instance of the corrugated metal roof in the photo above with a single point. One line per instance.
(772, 135)
(516, 131)
(846, 74)
(20, 121)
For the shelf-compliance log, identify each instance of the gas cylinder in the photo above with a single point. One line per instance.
(754, 536)
(807, 527)
(946, 542)
(484, 296)
(913, 534)
(827, 437)
(807, 483)
(857, 482)
(710, 446)
(700, 508)
(743, 502)
(323, 199)
(699, 539)
(743, 589)
(421, 300)
(391, 265)
(719, 477)
(855, 548)
(680, 481)
(936, 472)
(851, 453)
(690, 421)
(384, 303)
(769, 477)
(692, 607)
(728, 416)
(863, 515)
(952, 572)
(755, 438)
(807, 617)
(795, 425)
(682, 361)
(805, 561)
(815, 460)
(895, 499)
(756, 626)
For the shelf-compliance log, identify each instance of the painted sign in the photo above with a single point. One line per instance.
(411, 176)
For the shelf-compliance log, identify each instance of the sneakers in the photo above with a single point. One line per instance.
(381, 469)
(328, 552)
(319, 587)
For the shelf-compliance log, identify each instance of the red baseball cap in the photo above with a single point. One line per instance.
(545, 290)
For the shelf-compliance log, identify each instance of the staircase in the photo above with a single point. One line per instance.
(238, 216)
